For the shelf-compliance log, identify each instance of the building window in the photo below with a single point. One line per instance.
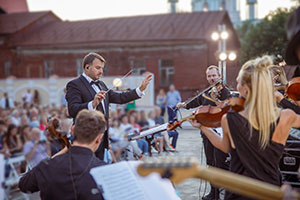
(166, 72)
(79, 66)
(48, 68)
(7, 68)
(138, 65)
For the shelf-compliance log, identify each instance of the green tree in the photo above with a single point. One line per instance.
(265, 37)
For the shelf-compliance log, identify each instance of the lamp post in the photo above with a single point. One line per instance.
(221, 36)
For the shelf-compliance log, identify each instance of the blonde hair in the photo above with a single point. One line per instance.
(260, 105)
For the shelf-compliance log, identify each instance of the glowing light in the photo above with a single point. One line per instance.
(224, 35)
(215, 36)
(232, 56)
(117, 82)
(222, 56)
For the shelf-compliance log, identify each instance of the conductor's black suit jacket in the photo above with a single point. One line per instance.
(80, 93)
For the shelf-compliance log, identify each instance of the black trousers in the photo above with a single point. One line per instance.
(215, 158)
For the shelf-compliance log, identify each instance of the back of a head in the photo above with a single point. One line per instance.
(260, 105)
(35, 133)
(88, 125)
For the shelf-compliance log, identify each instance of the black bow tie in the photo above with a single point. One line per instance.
(95, 82)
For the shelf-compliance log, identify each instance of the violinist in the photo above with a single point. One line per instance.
(292, 56)
(66, 175)
(256, 136)
(214, 157)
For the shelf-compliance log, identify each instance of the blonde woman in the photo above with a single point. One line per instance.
(256, 136)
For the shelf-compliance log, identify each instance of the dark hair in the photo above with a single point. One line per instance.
(23, 137)
(8, 134)
(89, 58)
(88, 125)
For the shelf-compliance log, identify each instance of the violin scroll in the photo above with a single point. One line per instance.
(52, 129)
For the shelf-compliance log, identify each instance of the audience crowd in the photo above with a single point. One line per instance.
(23, 130)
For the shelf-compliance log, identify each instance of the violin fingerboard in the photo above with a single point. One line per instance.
(169, 162)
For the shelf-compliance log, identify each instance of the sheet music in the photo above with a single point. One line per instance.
(118, 182)
(121, 181)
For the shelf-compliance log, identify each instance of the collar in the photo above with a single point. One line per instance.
(82, 150)
(87, 77)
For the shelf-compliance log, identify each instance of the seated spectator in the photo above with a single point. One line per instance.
(125, 124)
(158, 139)
(143, 120)
(25, 133)
(12, 141)
(36, 150)
(34, 123)
(24, 120)
(127, 129)
(166, 134)
(3, 130)
(65, 125)
(15, 117)
(43, 122)
(114, 129)
(142, 143)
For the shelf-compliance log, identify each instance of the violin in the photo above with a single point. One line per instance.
(210, 116)
(213, 90)
(62, 138)
(293, 89)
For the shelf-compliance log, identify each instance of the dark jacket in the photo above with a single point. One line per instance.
(52, 176)
(80, 93)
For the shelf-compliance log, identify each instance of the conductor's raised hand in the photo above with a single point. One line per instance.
(145, 82)
(98, 98)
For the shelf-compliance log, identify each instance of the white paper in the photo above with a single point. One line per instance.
(220, 131)
(118, 182)
(1, 176)
(121, 181)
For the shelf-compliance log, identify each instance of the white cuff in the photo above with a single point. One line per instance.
(90, 106)
(139, 92)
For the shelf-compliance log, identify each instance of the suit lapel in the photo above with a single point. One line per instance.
(88, 86)
(103, 87)
(93, 93)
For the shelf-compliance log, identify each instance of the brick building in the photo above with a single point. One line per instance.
(175, 47)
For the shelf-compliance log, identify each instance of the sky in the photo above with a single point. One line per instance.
(94, 9)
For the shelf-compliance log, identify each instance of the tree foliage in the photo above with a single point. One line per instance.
(264, 37)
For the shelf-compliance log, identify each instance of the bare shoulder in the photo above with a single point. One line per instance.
(224, 123)
(286, 114)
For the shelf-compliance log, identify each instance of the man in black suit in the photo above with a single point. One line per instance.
(66, 175)
(88, 92)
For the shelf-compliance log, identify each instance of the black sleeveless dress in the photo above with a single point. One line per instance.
(248, 158)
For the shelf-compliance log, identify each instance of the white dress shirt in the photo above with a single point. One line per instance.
(96, 89)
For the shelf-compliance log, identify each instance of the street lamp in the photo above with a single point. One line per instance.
(221, 36)
(224, 35)
(215, 36)
(232, 56)
(223, 56)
